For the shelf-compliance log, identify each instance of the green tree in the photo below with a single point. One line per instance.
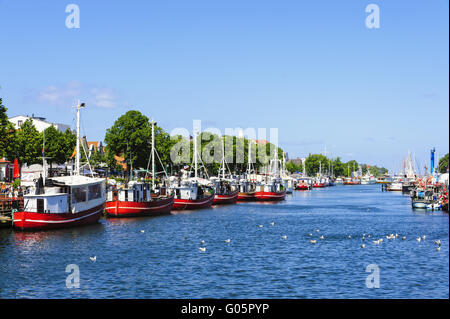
(27, 146)
(316, 162)
(59, 146)
(443, 164)
(7, 132)
(291, 167)
(338, 167)
(130, 137)
(350, 167)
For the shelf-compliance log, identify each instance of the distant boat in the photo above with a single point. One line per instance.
(395, 186)
(304, 183)
(384, 180)
(339, 181)
(225, 190)
(351, 181)
(271, 189)
(189, 194)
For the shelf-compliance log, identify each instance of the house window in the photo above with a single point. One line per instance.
(19, 123)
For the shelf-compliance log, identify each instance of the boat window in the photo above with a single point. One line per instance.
(40, 205)
(78, 194)
(94, 191)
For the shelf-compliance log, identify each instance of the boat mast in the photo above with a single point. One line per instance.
(223, 160)
(195, 152)
(249, 169)
(153, 154)
(77, 158)
(43, 156)
(304, 167)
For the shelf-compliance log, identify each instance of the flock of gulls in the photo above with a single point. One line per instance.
(322, 237)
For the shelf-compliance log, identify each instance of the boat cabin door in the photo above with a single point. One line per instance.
(115, 195)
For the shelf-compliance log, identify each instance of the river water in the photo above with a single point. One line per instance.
(160, 257)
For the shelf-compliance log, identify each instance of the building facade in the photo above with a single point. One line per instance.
(39, 123)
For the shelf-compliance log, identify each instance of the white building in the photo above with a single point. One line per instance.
(39, 123)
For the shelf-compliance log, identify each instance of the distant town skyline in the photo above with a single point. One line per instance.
(311, 69)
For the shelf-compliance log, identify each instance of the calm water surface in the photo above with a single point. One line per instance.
(165, 261)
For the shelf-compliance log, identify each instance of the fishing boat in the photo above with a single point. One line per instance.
(320, 181)
(247, 184)
(288, 181)
(191, 192)
(351, 181)
(139, 198)
(339, 181)
(304, 183)
(271, 189)
(368, 179)
(225, 189)
(396, 185)
(385, 179)
(247, 190)
(65, 201)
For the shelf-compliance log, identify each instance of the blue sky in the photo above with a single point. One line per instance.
(310, 68)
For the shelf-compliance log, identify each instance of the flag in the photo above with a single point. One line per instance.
(16, 169)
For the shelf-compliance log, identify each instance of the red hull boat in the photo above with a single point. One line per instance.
(182, 204)
(135, 209)
(318, 185)
(45, 221)
(246, 196)
(270, 196)
(302, 187)
(226, 199)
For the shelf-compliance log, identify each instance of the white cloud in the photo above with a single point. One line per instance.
(104, 97)
(69, 93)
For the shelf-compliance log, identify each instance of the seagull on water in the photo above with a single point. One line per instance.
(260, 226)
(438, 242)
(322, 237)
(309, 234)
(203, 249)
(317, 230)
(404, 238)
(418, 239)
(313, 241)
(438, 248)
(202, 242)
(272, 223)
(423, 237)
(142, 231)
(227, 240)
(363, 246)
(349, 236)
(284, 236)
(93, 258)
